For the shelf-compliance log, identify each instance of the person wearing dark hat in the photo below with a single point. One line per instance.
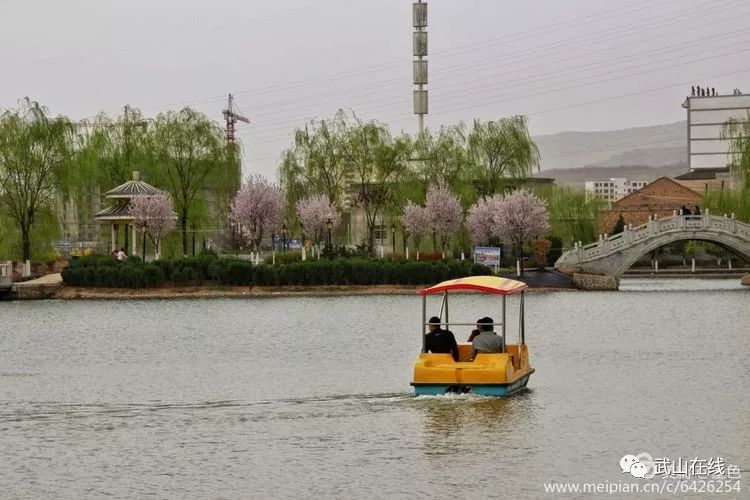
(439, 340)
(487, 341)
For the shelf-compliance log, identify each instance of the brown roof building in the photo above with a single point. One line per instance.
(661, 197)
(705, 179)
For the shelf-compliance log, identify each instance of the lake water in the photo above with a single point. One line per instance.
(310, 397)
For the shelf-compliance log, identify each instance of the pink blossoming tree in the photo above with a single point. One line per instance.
(445, 213)
(416, 222)
(258, 208)
(314, 212)
(481, 221)
(519, 217)
(155, 217)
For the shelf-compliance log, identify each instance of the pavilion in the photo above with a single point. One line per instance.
(118, 214)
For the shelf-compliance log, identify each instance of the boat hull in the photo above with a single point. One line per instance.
(497, 390)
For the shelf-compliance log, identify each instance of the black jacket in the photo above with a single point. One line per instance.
(441, 341)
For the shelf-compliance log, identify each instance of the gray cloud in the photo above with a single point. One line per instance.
(574, 65)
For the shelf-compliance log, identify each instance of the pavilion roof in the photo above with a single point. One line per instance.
(134, 187)
(120, 211)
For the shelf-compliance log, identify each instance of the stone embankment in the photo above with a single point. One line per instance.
(41, 288)
(595, 282)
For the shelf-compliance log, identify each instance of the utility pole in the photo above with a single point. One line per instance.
(419, 20)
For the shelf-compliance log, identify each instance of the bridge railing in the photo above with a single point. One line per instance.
(6, 273)
(609, 244)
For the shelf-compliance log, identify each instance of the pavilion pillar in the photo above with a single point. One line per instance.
(113, 236)
(133, 239)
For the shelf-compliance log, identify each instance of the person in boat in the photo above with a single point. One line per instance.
(474, 333)
(487, 341)
(439, 340)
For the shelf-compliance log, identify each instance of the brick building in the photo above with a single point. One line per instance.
(704, 179)
(661, 197)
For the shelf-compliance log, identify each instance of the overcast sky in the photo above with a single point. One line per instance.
(568, 65)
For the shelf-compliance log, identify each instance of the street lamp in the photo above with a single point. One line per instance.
(393, 237)
(283, 237)
(329, 225)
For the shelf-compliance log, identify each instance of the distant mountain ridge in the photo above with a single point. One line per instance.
(575, 177)
(654, 146)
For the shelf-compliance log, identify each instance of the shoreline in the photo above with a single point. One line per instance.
(212, 292)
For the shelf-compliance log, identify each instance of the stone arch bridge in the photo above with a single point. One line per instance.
(613, 255)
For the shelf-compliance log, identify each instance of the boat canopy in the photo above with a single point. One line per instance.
(484, 284)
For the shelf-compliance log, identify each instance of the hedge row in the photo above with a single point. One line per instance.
(100, 272)
(134, 275)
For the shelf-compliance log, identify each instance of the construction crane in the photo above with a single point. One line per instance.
(232, 117)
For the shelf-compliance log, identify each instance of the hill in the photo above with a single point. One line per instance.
(654, 146)
(575, 177)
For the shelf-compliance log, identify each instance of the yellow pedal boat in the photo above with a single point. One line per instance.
(495, 374)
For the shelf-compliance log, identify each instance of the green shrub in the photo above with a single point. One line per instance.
(295, 274)
(207, 252)
(108, 276)
(71, 276)
(104, 271)
(131, 277)
(154, 275)
(479, 270)
(186, 274)
(265, 275)
(284, 258)
(166, 268)
(239, 273)
(217, 269)
(97, 260)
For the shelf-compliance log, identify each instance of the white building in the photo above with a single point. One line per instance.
(706, 116)
(614, 188)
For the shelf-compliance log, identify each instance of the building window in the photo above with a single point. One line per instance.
(380, 233)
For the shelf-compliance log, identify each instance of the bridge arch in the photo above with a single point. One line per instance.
(616, 254)
(726, 242)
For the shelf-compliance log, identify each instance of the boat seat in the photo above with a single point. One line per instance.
(515, 357)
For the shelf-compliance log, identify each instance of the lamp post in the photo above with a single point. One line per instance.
(393, 237)
(329, 226)
(283, 237)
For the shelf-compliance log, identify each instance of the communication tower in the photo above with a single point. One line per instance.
(419, 20)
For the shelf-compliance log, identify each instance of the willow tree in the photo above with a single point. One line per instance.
(314, 164)
(441, 158)
(189, 147)
(377, 163)
(121, 144)
(728, 201)
(737, 132)
(34, 149)
(573, 213)
(109, 149)
(500, 150)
